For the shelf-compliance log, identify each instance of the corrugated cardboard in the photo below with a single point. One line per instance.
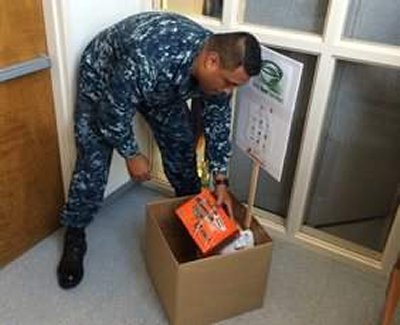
(206, 290)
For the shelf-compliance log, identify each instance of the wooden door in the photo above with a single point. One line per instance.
(31, 192)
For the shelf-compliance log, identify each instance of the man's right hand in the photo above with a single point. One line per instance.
(138, 168)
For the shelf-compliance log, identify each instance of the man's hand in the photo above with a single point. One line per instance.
(138, 168)
(224, 198)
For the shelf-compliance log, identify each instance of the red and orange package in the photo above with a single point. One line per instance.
(208, 224)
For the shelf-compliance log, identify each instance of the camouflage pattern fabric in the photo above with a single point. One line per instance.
(142, 63)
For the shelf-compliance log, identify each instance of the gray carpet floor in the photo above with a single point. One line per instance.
(303, 287)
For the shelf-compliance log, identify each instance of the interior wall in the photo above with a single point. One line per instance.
(77, 23)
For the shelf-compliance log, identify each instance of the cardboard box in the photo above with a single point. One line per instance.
(207, 223)
(206, 290)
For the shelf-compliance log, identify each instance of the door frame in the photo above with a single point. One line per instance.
(57, 45)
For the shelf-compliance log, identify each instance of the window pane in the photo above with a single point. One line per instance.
(212, 8)
(358, 171)
(304, 15)
(271, 195)
(376, 21)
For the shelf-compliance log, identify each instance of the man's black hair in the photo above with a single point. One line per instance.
(236, 49)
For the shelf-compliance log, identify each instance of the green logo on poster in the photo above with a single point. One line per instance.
(271, 76)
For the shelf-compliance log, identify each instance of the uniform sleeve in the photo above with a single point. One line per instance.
(118, 106)
(217, 125)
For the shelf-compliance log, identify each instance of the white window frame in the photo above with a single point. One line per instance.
(329, 47)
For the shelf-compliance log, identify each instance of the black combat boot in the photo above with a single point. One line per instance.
(70, 269)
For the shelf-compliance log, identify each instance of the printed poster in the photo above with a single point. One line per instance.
(265, 111)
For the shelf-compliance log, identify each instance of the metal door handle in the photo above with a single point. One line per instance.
(27, 67)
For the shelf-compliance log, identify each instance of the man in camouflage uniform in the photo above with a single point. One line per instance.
(152, 63)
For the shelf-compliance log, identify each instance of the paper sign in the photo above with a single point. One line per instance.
(266, 105)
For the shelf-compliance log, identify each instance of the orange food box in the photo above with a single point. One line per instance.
(208, 224)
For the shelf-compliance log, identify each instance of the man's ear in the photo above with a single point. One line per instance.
(212, 60)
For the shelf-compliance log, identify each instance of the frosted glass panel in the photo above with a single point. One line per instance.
(358, 170)
(212, 8)
(304, 15)
(271, 195)
(376, 21)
